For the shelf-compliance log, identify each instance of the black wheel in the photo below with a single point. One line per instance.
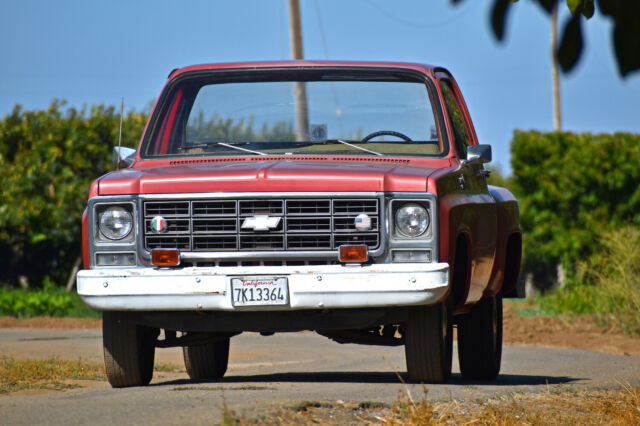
(207, 361)
(129, 350)
(480, 340)
(388, 133)
(429, 343)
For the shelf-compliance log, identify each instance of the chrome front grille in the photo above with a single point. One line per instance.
(305, 224)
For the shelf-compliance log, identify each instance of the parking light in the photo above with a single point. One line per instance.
(165, 257)
(353, 253)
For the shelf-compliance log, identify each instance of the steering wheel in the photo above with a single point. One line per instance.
(386, 132)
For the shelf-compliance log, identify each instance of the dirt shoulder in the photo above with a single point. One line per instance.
(567, 331)
(51, 323)
(578, 332)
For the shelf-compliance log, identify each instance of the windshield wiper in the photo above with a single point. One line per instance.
(233, 145)
(352, 146)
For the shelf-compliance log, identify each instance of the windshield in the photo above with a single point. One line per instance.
(351, 117)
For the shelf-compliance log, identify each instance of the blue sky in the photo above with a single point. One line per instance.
(91, 52)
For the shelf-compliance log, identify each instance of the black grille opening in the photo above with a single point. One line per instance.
(370, 240)
(154, 242)
(215, 243)
(310, 224)
(166, 208)
(309, 242)
(214, 208)
(261, 207)
(262, 242)
(226, 225)
(355, 207)
(308, 207)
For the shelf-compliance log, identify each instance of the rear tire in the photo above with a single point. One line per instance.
(129, 350)
(480, 340)
(207, 361)
(429, 343)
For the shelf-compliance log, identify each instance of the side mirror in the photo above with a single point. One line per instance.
(122, 154)
(478, 154)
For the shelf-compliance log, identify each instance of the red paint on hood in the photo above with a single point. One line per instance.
(274, 174)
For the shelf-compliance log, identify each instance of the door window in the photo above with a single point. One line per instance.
(457, 121)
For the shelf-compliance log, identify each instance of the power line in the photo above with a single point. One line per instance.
(421, 25)
(326, 56)
(322, 35)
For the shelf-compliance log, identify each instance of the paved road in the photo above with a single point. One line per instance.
(271, 371)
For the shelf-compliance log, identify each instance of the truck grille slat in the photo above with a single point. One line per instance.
(303, 224)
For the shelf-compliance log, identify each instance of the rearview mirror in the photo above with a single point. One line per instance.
(122, 154)
(478, 154)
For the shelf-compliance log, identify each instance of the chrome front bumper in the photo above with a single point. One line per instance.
(310, 287)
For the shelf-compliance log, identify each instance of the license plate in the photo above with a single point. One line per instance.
(259, 291)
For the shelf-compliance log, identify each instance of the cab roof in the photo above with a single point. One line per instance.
(305, 64)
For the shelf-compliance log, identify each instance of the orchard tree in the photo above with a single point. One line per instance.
(625, 15)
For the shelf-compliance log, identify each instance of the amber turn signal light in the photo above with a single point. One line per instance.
(164, 257)
(353, 253)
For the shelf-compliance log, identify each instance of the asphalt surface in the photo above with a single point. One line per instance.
(280, 370)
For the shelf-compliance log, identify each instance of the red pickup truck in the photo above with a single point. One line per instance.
(348, 198)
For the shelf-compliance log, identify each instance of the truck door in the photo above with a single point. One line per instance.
(473, 212)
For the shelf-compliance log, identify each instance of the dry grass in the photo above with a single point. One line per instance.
(556, 406)
(50, 373)
(168, 367)
(616, 276)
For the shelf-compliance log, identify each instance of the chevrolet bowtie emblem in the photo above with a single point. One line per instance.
(261, 222)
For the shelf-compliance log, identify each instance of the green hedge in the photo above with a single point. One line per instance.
(48, 160)
(571, 188)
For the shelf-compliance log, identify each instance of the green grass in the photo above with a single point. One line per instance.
(49, 301)
(607, 285)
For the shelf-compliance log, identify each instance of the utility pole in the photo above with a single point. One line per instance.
(557, 110)
(299, 87)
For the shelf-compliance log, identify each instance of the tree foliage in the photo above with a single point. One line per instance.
(571, 187)
(625, 15)
(48, 160)
(220, 129)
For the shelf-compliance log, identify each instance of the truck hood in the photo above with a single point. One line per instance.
(271, 175)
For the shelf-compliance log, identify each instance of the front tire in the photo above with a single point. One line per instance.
(129, 350)
(208, 361)
(480, 340)
(429, 343)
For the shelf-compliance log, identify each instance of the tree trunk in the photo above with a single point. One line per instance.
(557, 115)
(72, 276)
